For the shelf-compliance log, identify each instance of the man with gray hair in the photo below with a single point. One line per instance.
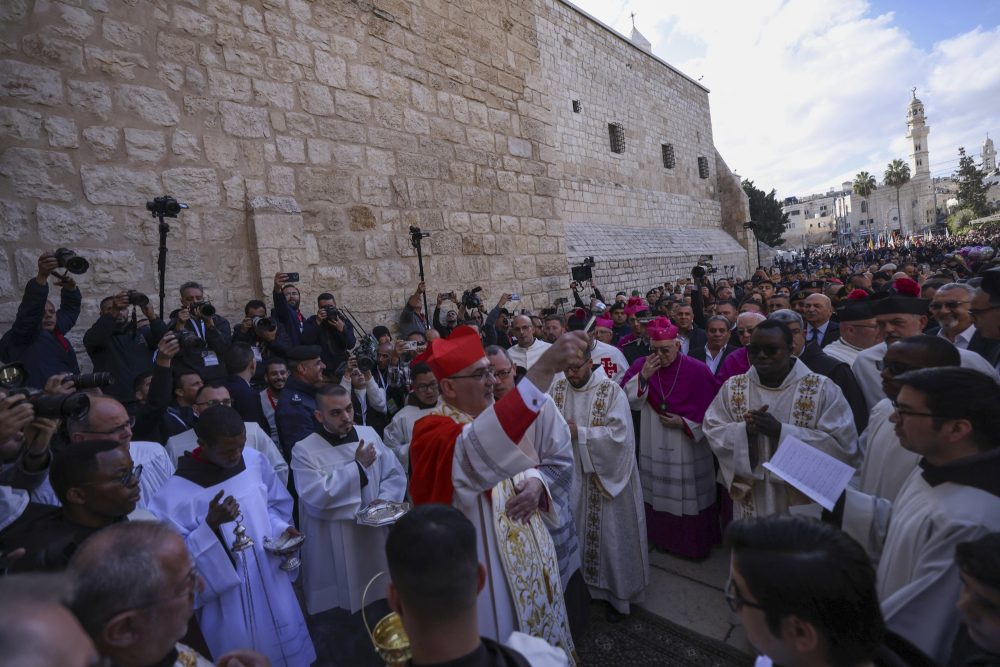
(135, 592)
(951, 306)
(36, 629)
(823, 364)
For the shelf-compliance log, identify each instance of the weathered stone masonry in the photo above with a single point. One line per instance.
(308, 135)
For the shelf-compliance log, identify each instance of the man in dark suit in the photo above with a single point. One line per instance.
(214, 330)
(950, 307)
(692, 337)
(240, 367)
(716, 347)
(817, 309)
(985, 311)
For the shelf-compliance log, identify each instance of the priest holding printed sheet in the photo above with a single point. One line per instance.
(672, 391)
(338, 470)
(473, 454)
(752, 413)
(608, 494)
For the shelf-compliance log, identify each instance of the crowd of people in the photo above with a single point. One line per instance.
(208, 490)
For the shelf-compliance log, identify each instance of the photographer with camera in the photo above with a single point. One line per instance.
(197, 319)
(331, 330)
(24, 453)
(413, 319)
(497, 325)
(38, 337)
(445, 325)
(263, 334)
(366, 396)
(287, 299)
(118, 346)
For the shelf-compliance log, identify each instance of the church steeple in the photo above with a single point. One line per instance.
(989, 156)
(916, 132)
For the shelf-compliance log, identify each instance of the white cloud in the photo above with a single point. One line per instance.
(805, 94)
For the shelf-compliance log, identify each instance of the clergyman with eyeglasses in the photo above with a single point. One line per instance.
(778, 397)
(473, 446)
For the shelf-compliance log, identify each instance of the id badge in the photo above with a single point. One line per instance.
(210, 358)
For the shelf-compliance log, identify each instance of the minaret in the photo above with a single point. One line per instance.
(916, 132)
(989, 156)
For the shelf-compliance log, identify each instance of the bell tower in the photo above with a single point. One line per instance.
(989, 156)
(916, 132)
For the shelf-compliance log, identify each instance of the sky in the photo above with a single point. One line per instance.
(807, 93)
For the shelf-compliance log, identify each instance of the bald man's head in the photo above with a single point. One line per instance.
(523, 329)
(817, 309)
(107, 420)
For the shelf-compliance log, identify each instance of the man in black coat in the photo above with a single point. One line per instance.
(119, 347)
(717, 346)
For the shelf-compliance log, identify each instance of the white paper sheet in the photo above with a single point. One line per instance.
(818, 475)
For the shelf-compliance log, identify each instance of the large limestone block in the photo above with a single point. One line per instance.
(277, 230)
(246, 122)
(40, 174)
(119, 185)
(192, 185)
(13, 221)
(30, 83)
(58, 225)
(152, 105)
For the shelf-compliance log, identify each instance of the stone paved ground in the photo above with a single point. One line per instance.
(691, 593)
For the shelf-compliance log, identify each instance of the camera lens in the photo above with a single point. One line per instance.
(91, 380)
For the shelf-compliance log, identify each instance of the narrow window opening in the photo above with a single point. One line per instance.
(616, 134)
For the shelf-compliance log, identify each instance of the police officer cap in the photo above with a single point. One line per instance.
(305, 352)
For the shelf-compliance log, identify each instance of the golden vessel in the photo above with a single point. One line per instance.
(389, 637)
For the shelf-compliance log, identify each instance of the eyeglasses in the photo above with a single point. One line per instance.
(659, 350)
(903, 412)
(894, 367)
(132, 474)
(117, 429)
(425, 387)
(950, 305)
(737, 601)
(479, 376)
(504, 374)
(216, 401)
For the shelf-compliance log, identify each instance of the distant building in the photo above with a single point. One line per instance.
(841, 215)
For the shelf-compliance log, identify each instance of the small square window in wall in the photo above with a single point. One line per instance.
(667, 152)
(703, 167)
(577, 107)
(616, 134)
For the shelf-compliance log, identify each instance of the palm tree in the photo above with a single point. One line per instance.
(897, 174)
(864, 185)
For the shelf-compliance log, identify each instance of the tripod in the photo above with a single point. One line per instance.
(160, 208)
(415, 237)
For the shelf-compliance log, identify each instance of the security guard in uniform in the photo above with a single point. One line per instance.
(294, 415)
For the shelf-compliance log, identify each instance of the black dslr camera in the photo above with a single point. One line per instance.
(91, 380)
(471, 299)
(203, 309)
(166, 207)
(332, 313)
(189, 340)
(55, 406)
(69, 260)
(137, 298)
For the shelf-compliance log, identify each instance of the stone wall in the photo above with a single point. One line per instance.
(309, 135)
